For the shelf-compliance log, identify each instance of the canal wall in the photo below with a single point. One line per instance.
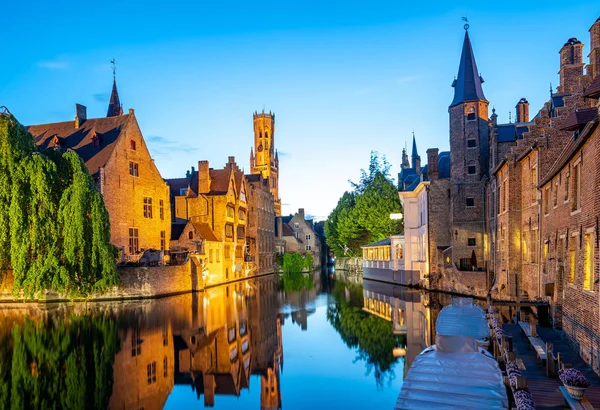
(349, 264)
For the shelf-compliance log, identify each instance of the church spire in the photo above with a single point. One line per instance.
(114, 106)
(414, 153)
(467, 86)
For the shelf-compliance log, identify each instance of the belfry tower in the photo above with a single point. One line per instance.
(469, 153)
(264, 159)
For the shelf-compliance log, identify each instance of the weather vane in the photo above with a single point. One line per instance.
(113, 63)
(466, 20)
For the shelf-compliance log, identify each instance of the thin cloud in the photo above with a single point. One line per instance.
(53, 65)
(163, 146)
(407, 79)
(102, 97)
(284, 154)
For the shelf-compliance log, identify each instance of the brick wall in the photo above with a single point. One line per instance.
(439, 222)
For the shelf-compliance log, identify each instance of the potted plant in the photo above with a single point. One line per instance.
(575, 382)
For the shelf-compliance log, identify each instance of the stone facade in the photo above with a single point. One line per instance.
(261, 229)
(299, 236)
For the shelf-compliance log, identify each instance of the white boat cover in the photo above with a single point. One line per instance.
(465, 380)
(455, 373)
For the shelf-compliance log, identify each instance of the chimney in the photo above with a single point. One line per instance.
(594, 66)
(571, 64)
(203, 177)
(279, 227)
(80, 115)
(522, 110)
(432, 162)
(301, 212)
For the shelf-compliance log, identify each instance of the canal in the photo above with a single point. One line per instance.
(292, 342)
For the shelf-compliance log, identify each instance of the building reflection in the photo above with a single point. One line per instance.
(407, 309)
(232, 333)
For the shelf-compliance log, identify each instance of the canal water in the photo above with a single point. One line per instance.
(317, 341)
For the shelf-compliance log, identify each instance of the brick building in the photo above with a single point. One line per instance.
(215, 200)
(261, 231)
(299, 236)
(264, 159)
(116, 155)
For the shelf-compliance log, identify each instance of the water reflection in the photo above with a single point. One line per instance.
(199, 349)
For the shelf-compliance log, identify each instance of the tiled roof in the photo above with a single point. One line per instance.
(383, 242)
(81, 139)
(177, 184)
(579, 118)
(467, 86)
(571, 149)
(205, 231)
(593, 90)
(219, 181)
(286, 230)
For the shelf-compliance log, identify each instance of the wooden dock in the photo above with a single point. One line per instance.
(545, 390)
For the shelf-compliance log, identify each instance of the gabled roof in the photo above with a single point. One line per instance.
(593, 90)
(286, 230)
(579, 118)
(570, 150)
(205, 231)
(467, 86)
(81, 139)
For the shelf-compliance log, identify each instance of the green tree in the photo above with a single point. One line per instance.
(363, 215)
(54, 227)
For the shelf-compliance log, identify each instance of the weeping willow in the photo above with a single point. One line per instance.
(54, 227)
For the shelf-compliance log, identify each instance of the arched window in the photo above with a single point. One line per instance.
(471, 114)
(471, 141)
(191, 235)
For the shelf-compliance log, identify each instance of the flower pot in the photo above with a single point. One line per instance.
(576, 392)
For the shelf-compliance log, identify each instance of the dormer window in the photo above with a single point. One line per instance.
(132, 145)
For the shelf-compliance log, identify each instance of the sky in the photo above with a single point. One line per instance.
(343, 78)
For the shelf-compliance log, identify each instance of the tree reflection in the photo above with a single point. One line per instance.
(370, 335)
(295, 282)
(64, 365)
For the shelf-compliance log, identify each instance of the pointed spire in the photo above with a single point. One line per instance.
(467, 86)
(405, 163)
(114, 106)
(414, 154)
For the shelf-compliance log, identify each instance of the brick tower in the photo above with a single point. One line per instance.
(264, 159)
(469, 153)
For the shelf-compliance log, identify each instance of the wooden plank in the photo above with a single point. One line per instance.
(538, 346)
(583, 404)
(526, 328)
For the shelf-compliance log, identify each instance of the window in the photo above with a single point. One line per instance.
(471, 242)
(136, 343)
(183, 191)
(534, 246)
(227, 252)
(218, 255)
(231, 334)
(296, 225)
(471, 114)
(546, 200)
(567, 174)
(241, 214)
(472, 168)
(229, 231)
(307, 237)
(133, 241)
(533, 184)
(230, 212)
(147, 207)
(165, 367)
(210, 256)
(503, 197)
(132, 145)
(243, 196)
(470, 202)
(576, 204)
(239, 252)
(308, 247)
(471, 143)
(555, 195)
(151, 372)
(133, 169)
(161, 209)
(190, 235)
(525, 246)
(163, 240)
(588, 262)
(571, 277)
(241, 232)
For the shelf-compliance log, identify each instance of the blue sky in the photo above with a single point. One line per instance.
(343, 78)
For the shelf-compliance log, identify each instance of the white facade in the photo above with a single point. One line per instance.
(416, 238)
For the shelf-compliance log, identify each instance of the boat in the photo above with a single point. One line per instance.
(455, 373)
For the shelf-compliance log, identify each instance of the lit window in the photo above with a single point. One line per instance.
(241, 233)
(571, 277)
(588, 263)
(163, 240)
(229, 231)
